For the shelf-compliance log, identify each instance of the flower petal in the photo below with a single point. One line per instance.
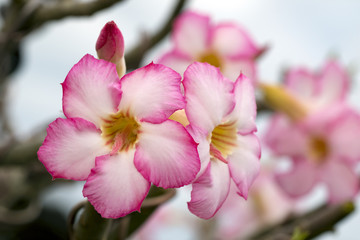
(88, 90)
(203, 148)
(70, 148)
(176, 61)
(210, 190)
(341, 180)
(151, 93)
(301, 83)
(333, 83)
(244, 113)
(286, 138)
(345, 129)
(115, 188)
(208, 95)
(191, 33)
(232, 67)
(230, 39)
(299, 180)
(166, 155)
(244, 163)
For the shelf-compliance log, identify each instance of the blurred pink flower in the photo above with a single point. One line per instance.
(266, 205)
(318, 90)
(322, 148)
(222, 115)
(321, 143)
(225, 45)
(117, 135)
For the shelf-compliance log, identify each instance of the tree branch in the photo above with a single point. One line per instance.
(50, 12)
(309, 225)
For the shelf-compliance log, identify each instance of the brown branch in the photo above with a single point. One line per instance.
(309, 225)
(61, 9)
(134, 56)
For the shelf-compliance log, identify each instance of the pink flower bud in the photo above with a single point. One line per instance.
(110, 46)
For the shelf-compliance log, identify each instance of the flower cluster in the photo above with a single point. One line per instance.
(117, 135)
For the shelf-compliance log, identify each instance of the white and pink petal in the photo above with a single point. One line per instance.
(176, 60)
(191, 33)
(151, 93)
(208, 96)
(229, 40)
(300, 180)
(233, 67)
(89, 90)
(210, 190)
(166, 155)
(301, 83)
(334, 84)
(285, 137)
(244, 163)
(342, 134)
(70, 148)
(244, 113)
(341, 180)
(115, 188)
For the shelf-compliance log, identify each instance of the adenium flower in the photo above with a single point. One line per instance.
(225, 45)
(322, 148)
(110, 46)
(320, 140)
(222, 115)
(117, 135)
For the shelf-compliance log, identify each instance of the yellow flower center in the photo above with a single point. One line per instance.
(211, 58)
(223, 141)
(120, 131)
(318, 149)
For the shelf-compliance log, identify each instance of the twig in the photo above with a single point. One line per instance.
(309, 225)
(50, 12)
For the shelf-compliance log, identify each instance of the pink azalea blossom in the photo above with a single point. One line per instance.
(321, 143)
(222, 115)
(117, 135)
(225, 45)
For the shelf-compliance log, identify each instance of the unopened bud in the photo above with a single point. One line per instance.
(110, 46)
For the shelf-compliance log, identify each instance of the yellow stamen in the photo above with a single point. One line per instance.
(318, 149)
(211, 58)
(223, 140)
(120, 131)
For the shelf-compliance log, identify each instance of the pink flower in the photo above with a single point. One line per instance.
(322, 149)
(321, 142)
(222, 120)
(318, 90)
(225, 45)
(110, 46)
(117, 135)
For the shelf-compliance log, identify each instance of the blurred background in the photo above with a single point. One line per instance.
(298, 33)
